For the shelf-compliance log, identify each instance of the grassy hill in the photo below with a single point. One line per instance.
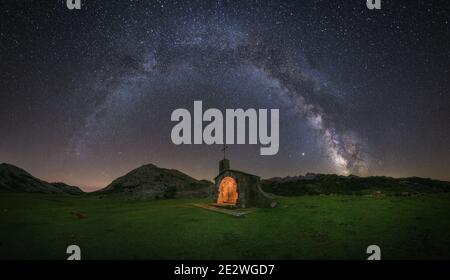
(307, 227)
(317, 184)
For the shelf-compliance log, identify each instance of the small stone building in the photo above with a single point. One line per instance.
(239, 189)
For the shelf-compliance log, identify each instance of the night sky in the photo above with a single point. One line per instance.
(86, 96)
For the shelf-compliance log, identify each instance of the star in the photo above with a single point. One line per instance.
(83, 88)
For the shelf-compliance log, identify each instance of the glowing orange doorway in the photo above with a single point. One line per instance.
(227, 191)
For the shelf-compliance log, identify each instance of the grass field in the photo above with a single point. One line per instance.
(304, 227)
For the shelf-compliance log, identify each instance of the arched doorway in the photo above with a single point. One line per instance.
(227, 191)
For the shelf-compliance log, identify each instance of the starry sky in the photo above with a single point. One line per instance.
(86, 95)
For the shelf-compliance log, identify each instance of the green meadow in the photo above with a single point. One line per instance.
(37, 226)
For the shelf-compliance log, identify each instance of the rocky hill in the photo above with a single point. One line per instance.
(152, 181)
(15, 179)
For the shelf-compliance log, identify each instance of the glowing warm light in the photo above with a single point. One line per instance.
(227, 191)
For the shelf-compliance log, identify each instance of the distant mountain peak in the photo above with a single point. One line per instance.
(147, 166)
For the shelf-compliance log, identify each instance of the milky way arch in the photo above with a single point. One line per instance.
(290, 70)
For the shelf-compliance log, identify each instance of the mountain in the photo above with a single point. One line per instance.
(15, 179)
(152, 181)
(316, 184)
(68, 189)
